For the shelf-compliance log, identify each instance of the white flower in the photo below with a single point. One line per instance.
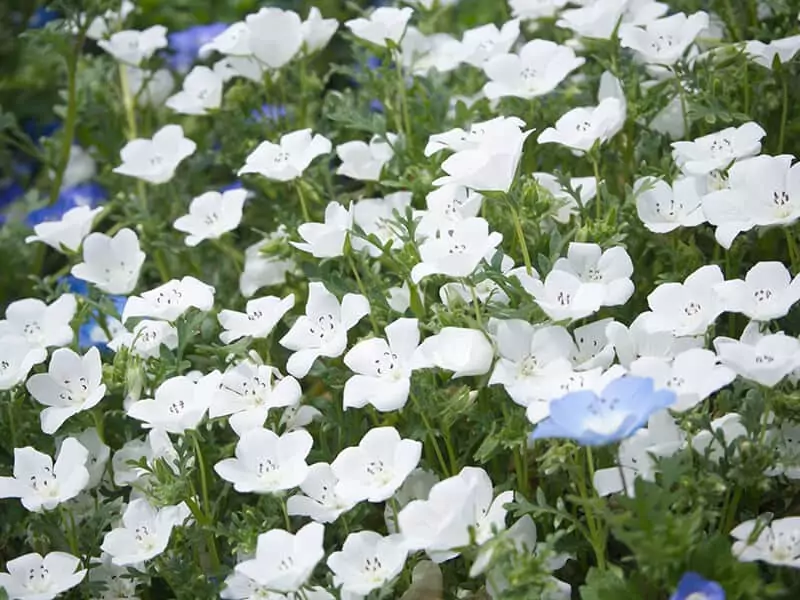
(155, 160)
(566, 204)
(728, 427)
(640, 340)
(201, 93)
(41, 324)
(383, 368)
(563, 296)
(319, 499)
(535, 9)
(480, 44)
(98, 457)
(463, 351)
(375, 468)
(133, 47)
(599, 19)
(610, 269)
(417, 486)
(33, 577)
(767, 292)
(259, 319)
(298, 416)
(267, 463)
(322, 331)
(80, 167)
(112, 264)
(144, 533)
(497, 129)
(326, 240)
(179, 404)
(367, 561)
(486, 290)
(17, 357)
(261, 269)
(276, 36)
(765, 359)
(170, 300)
(68, 232)
(763, 54)
(317, 32)
(211, 215)
(383, 24)
(663, 208)
(592, 348)
(376, 216)
(686, 308)
(718, 150)
(150, 88)
(663, 41)
(39, 484)
(447, 205)
(116, 586)
(157, 446)
(111, 20)
(146, 338)
(538, 69)
(289, 158)
(777, 543)
(283, 561)
(364, 161)
(693, 375)
(234, 41)
(72, 384)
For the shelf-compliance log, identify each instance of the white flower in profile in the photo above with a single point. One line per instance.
(287, 159)
(326, 240)
(41, 485)
(383, 368)
(275, 36)
(240, 587)
(17, 357)
(592, 348)
(639, 340)
(266, 463)
(72, 384)
(98, 457)
(594, 20)
(146, 338)
(498, 128)
(179, 404)
(663, 208)
(283, 561)
(34, 577)
(259, 319)
(144, 533)
(112, 264)
(382, 25)
(116, 584)
(367, 562)
(201, 93)
(464, 351)
(417, 486)
(322, 331)
(43, 325)
(211, 215)
(155, 160)
(234, 41)
(693, 375)
(718, 150)
(728, 427)
(374, 469)
(298, 416)
(261, 267)
(610, 269)
(538, 69)
(317, 32)
(529, 10)
(319, 499)
(765, 359)
(563, 296)
(777, 542)
(364, 161)
(480, 44)
(446, 205)
(458, 253)
(763, 54)
(379, 217)
(170, 300)
(566, 203)
(133, 47)
(68, 232)
(663, 41)
(686, 308)
(767, 292)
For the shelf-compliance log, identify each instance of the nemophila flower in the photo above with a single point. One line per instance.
(179, 404)
(112, 264)
(317, 32)
(156, 446)
(486, 290)
(17, 357)
(146, 338)
(326, 240)
(298, 416)
(663, 208)
(90, 195)
(322, 331)
(248, 67)
(259, 319)
(567, 204)
(686, 308)
(538, 68)
(594, 20)
(639, 340)
(98, 457)
(718, 150)
(374, 469)
(417, 486)
(786, 440)
(112, 578)
(446, 205)
(80, 168)
(728, 427)
(610, 269)
(110, 20)
(155, 160)
(42, 325)
(784, 49)
(367, 561)
(34, 577)
(319, 499)
(42, 485)
(459, 510)
(378, 217)
(480, 44)
(283, 561)
(458, 139)
(144, 533)
(382, 25)
(170, 300)
(767, 292)
(663, 41)
(535, 9)
(458, 253)
(762, 191)
(775, 543)
(133, 47)
(563, 296)
(72, 384)
(616, 413)
(765, 359)
(232, 41)
(364, 161)
(185, 44)
(591, 347)
(276, 36)
(150, 88)
(211, 215)
(383, 368)
(692, 586)
(261, 269)
(201, 93)
(287, 159)
(68, 231)
(463, 351)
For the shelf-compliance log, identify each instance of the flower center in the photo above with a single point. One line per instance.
(387, 365)
(762, 295)
(38, 579)
(324, 328)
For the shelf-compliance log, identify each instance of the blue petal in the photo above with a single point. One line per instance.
(693, 583)
(548, 429)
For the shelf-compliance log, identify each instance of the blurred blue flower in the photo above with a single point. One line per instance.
(623, 407)
(268, 112)
(373, 62)
(91, 332)
(376, 106)
(36, 130)
(42, 17)
(10, 192)
(84, 194)
(693, 587)
(185, 45)
(236, 185)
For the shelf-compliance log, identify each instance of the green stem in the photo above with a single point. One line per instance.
(401, 88)
(127, 102)
(233, 253)
(784, 110)
(303, 205)
(475, 304)
(431, 435)
(598, 201)
(287, 522)
(97, 415)
(793, 252)
(161, 265)
(597, 535)
(209, 517)
(731, 21)
(70, 529)
(523, 246)
(363, 291)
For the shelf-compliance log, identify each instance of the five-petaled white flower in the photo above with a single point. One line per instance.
(36, 577)
(718, 150)
(201, 93)
(663, 208)
(663, 41)
(326, 240)
(17, 357)
(146, 338)
(364, 161)
(480, 44)
(367, 561)
(180, 403)
(767, 292)
(383, 24)
(211, 215)
(686, 308)
(68, 232)
(317, 32)
(563, 296)
(133, 47)
(259, 319)
(319, 499)
(765, 359)
(155, 160)
(170, 300)
(41, 324)
(112, 264)
(275, 36)
(610, 269)
(464, 351)
(777, 542)
(379, 217)
(287, 159)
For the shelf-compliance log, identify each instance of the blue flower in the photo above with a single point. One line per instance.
(90, 332)
(268, 112)
(623, 407)
(185, 45)
(10, 192)
(693, 587)
(84, 194)
(376, 106)
(42, 17)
